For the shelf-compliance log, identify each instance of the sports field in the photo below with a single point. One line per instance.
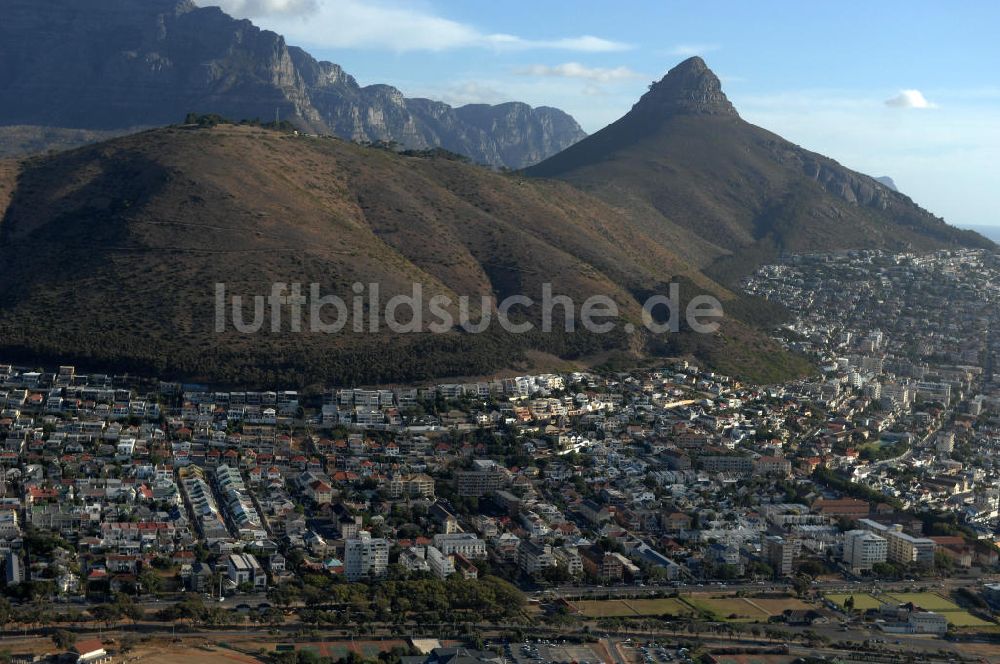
(955, 614)
(658, 607)
(862, 601)
(620, 608)
(736, 609)
(776, 606)
(605, 608)
(966, 619)
(926, 601)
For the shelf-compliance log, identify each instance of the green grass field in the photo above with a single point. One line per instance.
(862, 601)
(735, 609)
(965, 619)
(926, 601)
(955, 614)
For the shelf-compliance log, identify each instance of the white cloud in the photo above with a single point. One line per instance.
(689, 50)
(576, 70)
(909, 99)
(258, 8)
(585, 44)
(394, 26)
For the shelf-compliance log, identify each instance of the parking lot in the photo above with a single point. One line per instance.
(654, 653)
(552, 651)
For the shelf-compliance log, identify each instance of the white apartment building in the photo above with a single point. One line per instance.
(441, 566)
(903, 548)
(365, 557)
(863, 548)
(243, 568)
(465, 544)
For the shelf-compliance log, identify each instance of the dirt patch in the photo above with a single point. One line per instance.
(180, 654)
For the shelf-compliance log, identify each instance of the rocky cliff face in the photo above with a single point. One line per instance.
(850, 186)
(112, 64)
(521, 133)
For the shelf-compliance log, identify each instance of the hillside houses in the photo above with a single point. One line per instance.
(658, 475)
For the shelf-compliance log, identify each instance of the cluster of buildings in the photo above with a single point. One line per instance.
(908, 349)
(661, 475)
(873, 543)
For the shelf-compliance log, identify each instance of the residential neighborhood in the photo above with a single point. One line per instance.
(877, 471)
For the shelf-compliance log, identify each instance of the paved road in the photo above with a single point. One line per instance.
(616, 653)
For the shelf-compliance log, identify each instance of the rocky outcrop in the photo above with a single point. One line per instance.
(689, 88)
(112, 64)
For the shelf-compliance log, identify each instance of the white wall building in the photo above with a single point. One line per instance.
(863, 548)
(441, 566)
(243, 568)
(466, 544)
(365, 557)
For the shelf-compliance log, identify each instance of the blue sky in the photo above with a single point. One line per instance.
(905, 89)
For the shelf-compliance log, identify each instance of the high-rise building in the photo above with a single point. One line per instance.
(779, 553)
(441, 565)
(863, 548)
(365, 557)
(484, 477)
(976, 406)
(902, 548)
(945, 442)
(900, 395)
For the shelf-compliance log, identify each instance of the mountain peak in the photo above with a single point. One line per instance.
(694, 64)
(689, 88)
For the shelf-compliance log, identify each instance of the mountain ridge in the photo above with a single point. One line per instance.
(685, 164)
(109, 254)
(97, 65)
